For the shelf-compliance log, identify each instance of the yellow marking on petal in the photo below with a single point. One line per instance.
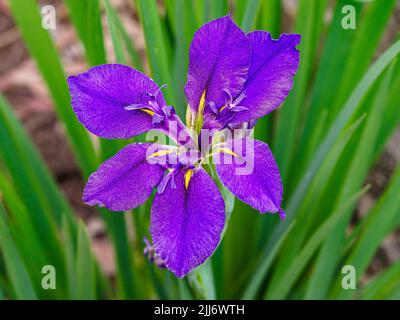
(222, 108)
(148, 111)
(160, 153)
(202, 100)
(228, 151)
(189, 117)
(200, 112)
(188, 176)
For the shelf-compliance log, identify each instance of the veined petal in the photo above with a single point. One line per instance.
(270, 79)
(248, 169)
(104, 96)
(124, 181)
(187, 221)
(219, 58)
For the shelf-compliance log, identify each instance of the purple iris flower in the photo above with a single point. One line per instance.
(233, 79)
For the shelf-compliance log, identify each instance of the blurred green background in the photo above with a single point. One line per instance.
(336, 139)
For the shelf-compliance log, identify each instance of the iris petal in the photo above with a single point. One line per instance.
(186, 223)
(270, 78)
(219, 58)
(102, 96)
(248, 169)
(124, 181)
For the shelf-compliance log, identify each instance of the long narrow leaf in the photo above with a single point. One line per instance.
(17, 272)
(42, 49)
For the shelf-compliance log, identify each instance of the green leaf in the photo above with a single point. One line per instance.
(29, 180)
(383, 286)
(357, 167)
(334, 131)
(184, 26)
(380, 221)
(363, 43)
(129, 283)
(306, 253)
(263, 267)
(335, 51)
(214, 9)
(42, 50)
(85, 266)
(269, 16)
(363, 48)
(309, 213)
(309, 22)
(112, 19)
(70, 260)
(155, 45)
(86, 17)
(15, 267)
(121, 39)
(250, 14)
(202, 279)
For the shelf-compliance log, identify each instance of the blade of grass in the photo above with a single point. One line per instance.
(121, 39)
(16, 269)
(22, 227)
(115, 37)
(365, 44)
(337, 41)
(251, 10)
(185, 27)
(333, 132)
(310, 212)
(27, 169)
(269, 16)
(155, 46)
(298, 265)
(384, 285)
(30, 177)
(263, 267)
(42, 49)
(358, 166)
(308, 23)
(380, 221)
(69, 250)
(202, 280)
(85, 266)
(86, 17)
(239, 7)
(109, 148)
(128, 280)
(115, 222)
(214, 9)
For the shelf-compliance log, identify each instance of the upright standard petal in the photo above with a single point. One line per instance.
(248, 169)
(219, 58)
(187, 219)
(270, 79)
(108, 100)
(124, 181)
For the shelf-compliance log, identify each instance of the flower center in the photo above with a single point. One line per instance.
(148, 104)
